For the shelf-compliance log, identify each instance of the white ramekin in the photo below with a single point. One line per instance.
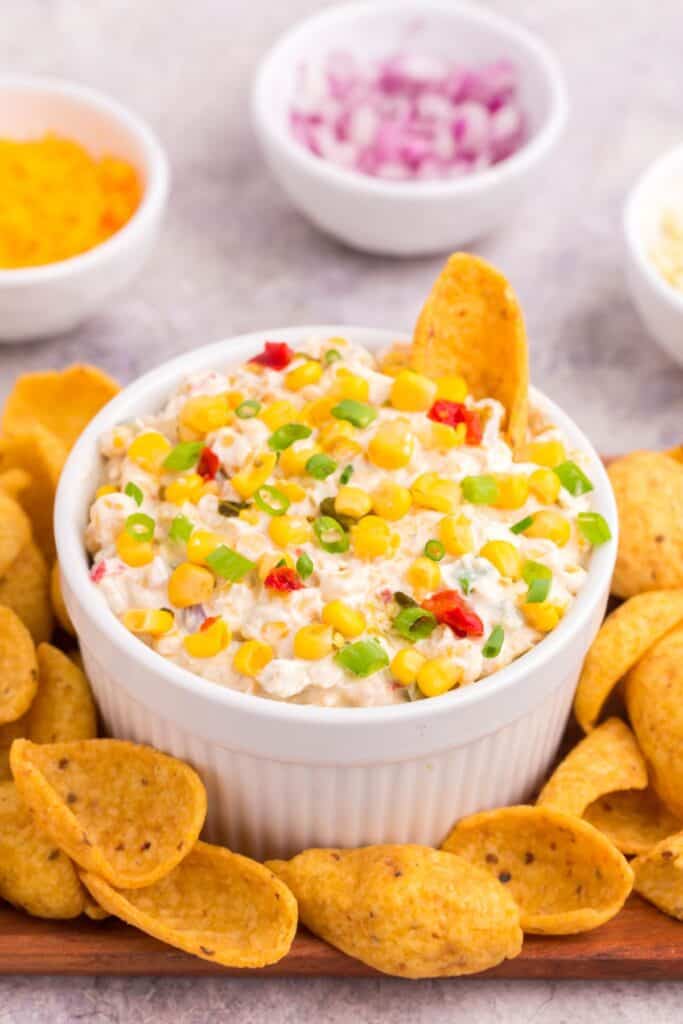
(282, 777)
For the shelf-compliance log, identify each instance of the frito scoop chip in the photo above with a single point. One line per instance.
(407, 910)
(34, 873)
(10, 732)
(15, 481)
(24, 587)
(654, 699)
(565, 876)
(120, 810)
(472, 325)
(606, 760)
(215, 904)
(659, 875)
(635, 820)
(41, 455)
(624, 637)
(62, 402)
(63, 709)
(15, 530)
(18, 667)
(648, 487)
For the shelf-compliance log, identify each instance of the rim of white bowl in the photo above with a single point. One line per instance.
(74, 566)
(635, 200)
(156, 169)
(543, 140)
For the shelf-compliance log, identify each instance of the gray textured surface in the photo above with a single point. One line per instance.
(234, 256)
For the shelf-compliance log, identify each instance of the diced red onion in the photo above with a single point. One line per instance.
(408, 116)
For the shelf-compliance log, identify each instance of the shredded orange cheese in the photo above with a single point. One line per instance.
(56, 200)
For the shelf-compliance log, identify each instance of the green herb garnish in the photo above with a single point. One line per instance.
(479, 490)
(286, 435)
(331, 535)
(573, 479)
(362, 658)
(180, 529)
(183, 456)
(493, 645)
(414, 623)
(134, 492)
(360, 414)
(229, 564)
(594, 527)
(320, 466)
(271, 500)
(139, 526)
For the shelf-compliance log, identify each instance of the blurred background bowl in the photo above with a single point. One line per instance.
(44, 300)
(408, 217)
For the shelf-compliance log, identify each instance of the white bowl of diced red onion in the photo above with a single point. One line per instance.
(408, 127)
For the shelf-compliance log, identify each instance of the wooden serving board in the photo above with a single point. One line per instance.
(639, 943)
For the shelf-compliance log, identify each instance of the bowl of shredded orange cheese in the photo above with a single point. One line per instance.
(83, 188)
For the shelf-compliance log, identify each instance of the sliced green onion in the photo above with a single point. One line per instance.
(346, 474)
(465, 584)
(271, 500)
(414, 623)
(184, 455)
(286, 435)
(327, 509)
(134, 492)
(494, 644)
(229, 509)
(247, 410)
(320, 466)
(304, 566)
(229, 564)
(522, 525)
(333, 355)
(180, 529)
(539, 578)
(404, 600)
(479, 490)
(573, 479)
(363, 658)
(435, 550)
(359, 413)
(140, 527)
(331, 535)
(594, 528)
(281, 564)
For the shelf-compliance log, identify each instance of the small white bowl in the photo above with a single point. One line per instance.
(659, 304)
(408, 218)
(282, 777)
(40, 301)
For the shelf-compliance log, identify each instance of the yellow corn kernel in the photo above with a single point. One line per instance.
(545, 485)
(550, 525)
(133, 552)
(105, 489)
(392, 446)
(234, 398)
(456, 534)
(250, 515)
(200, 545)
(293, 460)
(252, 657)
(440, 435)
(504, 556)
(406, 664)
(267, 562)
(313, 642)
(301, 376)
(371, 537)
(278, 413)
(344, 619)
(285, 530)
(190, 584)
(352, 501)
(209, 642)
(319, 411)
(185, 488)
(153, 621)
(335, 431)
(119, 438)
(513, 490)
(351, 385)
(437, 676)
(436, 492)
(391, 501)
(295, 492)
(149, 450)
(423, 574)
(543, 453)
(412, 392)
(543, 616)
(205, 413)
(209, 487)
(453, 388)
(255, 473)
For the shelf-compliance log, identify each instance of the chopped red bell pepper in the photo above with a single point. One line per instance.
(98, 571)
(208, 621)
(283, 579)
(451, 610)
(453, 413)
(208, 464)
(276, 355)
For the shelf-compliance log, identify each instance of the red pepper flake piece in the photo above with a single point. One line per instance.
(283, 579)
(451, 610)
(98, 571)
(276, 355)
(208, 464)
(208, 622)
(454, 413)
